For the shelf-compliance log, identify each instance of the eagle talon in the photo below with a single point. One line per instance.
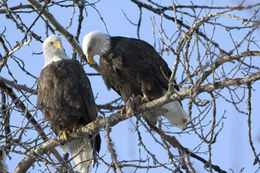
(75, 128)
(123, 110)
(64, 134)
(143, 98)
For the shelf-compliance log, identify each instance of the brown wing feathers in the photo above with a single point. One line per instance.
(142, 68)
(65, 96)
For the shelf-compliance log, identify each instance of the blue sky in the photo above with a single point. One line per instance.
(231, 150)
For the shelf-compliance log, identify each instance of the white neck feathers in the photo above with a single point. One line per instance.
(50, 58)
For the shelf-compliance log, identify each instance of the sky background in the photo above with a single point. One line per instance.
(231, 151)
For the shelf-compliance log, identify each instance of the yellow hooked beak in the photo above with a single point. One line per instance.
(90, 60)
(58, 45)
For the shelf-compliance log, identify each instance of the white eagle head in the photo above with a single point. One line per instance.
(95, 43)
(53, 50)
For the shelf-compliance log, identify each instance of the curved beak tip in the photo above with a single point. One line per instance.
(90, 60)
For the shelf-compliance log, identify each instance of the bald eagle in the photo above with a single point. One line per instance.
(66, 100)
(132, 67)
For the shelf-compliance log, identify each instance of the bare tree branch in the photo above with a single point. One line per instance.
(212, 49)
(70, 38)
(13, 84)
(27, 114)
(95, 126)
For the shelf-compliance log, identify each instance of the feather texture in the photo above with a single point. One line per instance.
(81, 153)
(66, 100)
(175, 114)
(132, 67)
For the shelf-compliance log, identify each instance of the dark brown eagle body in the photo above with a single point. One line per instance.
(65, 97)
(66, 100)
(132, 66)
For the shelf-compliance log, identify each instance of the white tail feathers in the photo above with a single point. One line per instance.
(81, 153)
(176, 115)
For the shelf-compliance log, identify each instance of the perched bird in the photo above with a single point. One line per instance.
(134, 69)
(66, 100)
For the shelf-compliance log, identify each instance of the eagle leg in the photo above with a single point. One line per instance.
(131, 104)
(130, 107)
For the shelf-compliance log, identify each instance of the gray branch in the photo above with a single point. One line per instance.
(114, 119)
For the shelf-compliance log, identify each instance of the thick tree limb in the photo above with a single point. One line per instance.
(114, 119)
